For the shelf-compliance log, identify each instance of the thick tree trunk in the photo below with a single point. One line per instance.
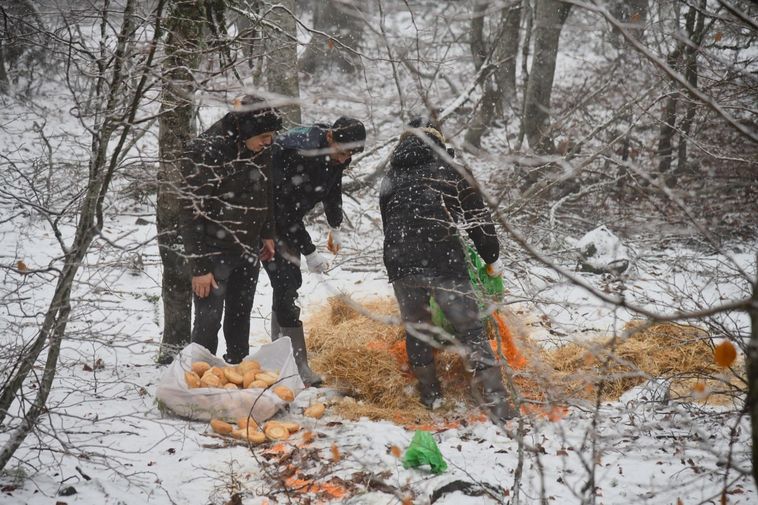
(341, 22)
(477, 44)
(696, 34)
(668, 120)
(502, 87)
(248, 31)
(666, 135)
(183, 48)
(548, 18)
(633, 13)
(4, 84)
(506, 53)
(281, 58)
(528, 13)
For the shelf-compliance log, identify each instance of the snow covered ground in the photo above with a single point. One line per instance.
(105, 441)
(111, 444)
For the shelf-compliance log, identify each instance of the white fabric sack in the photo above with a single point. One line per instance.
(205, 404)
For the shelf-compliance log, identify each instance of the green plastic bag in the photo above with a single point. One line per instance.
(486, 288)
(424, 451)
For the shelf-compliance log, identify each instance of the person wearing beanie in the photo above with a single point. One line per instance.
(307, 164)
(424, 202)
(226, 221)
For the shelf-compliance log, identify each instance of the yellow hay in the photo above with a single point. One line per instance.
(361, 351)
(612, 366)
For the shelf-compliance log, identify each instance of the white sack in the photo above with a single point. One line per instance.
(206, 403)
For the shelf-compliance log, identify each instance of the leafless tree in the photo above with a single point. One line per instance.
(184, 50)
(334, 20)
(549, 18)
(122, 75)
(499, 86)
(596, 110)
(281, 56)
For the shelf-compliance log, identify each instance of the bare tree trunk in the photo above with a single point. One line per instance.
(480, 53)
(477, 45)
(4, 84)
(668, 120)
(633, 13)
(503, 57)
(668, 123)
(185, 25)
(281, 58)
(528, 23)
(342, 22)
(506, 52)
(549, 18)
(691, 74)
(249, 35)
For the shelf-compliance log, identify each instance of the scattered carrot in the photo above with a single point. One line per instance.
(515, 359)
(336, 456)
(553, 413)
(326, 489)
(279, 448)
(724, 354)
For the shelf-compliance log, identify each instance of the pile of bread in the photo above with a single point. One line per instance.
(248, 375)
(275, 430)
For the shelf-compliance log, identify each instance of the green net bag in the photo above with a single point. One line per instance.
(486, 288)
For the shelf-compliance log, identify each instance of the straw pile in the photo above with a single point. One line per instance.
(363, 354)
(361, 350)
(681, 353)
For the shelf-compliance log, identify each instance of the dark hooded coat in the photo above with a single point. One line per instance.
(424, 201)
(304, 176)
(227, 196)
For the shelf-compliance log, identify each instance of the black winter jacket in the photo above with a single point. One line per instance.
(303, 176)
(226, 194)
(421, 199)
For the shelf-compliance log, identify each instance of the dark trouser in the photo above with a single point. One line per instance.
(236, 276)
(456, 299)
(284, 273)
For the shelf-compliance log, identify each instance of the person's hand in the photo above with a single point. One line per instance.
(268, 250)
(495, 269)
(203, 284)
(317, 264)
(334, 241)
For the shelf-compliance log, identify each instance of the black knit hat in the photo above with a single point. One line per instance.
(429, 127)
(255, 116)
(350, 134)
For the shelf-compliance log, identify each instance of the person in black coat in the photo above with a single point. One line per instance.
(227, 221)
(307, 164)
(424, 201)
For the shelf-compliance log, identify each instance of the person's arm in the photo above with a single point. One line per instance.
(333, 203)
(292, 228)
(289, 220)
(477, 220)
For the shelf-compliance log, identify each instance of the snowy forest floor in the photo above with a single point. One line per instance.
(104, 439)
